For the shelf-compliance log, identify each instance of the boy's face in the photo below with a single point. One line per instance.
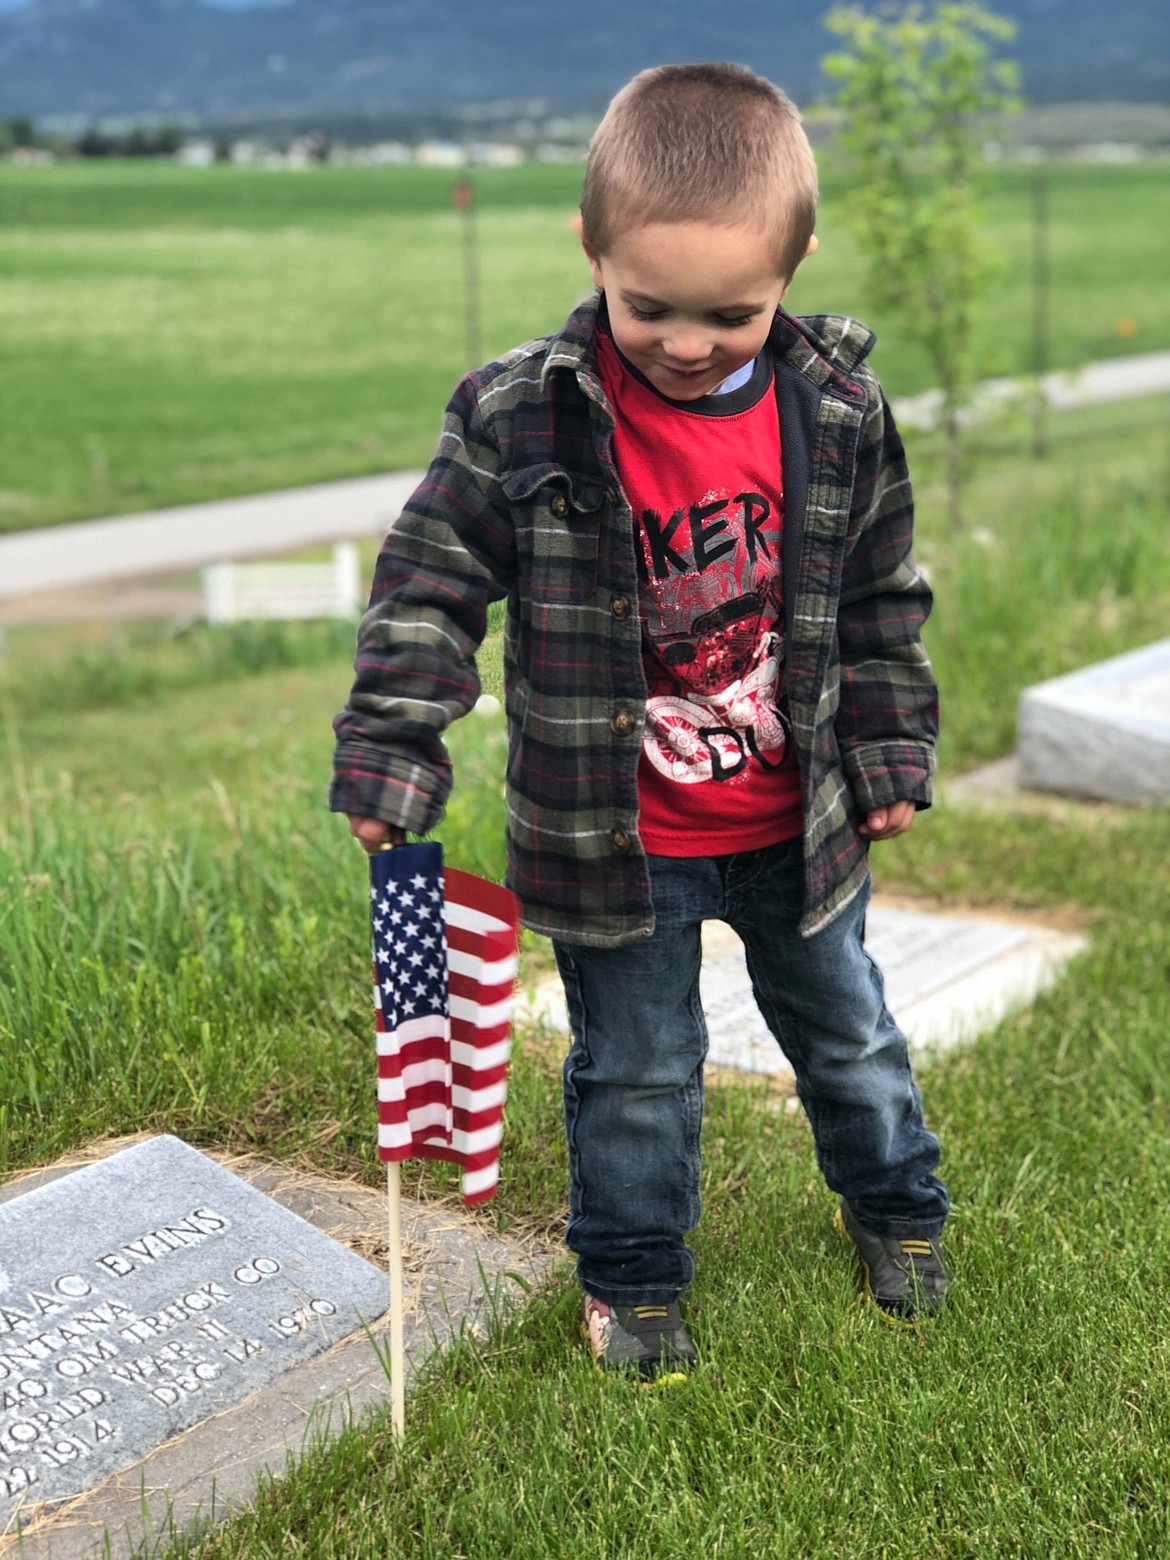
(689, 302)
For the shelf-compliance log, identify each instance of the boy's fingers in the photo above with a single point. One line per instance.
(886, 823)
(371, 833)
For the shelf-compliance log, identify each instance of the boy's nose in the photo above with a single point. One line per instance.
(687, 350)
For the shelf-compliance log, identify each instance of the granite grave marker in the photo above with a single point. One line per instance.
(142, 1294)
(1101, 732)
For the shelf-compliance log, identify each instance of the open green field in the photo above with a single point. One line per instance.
(173, 334)
(183, 948)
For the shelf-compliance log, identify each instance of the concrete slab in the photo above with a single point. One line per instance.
(1103, 731)
(996, 787)
(454, 1270)
(948, 978)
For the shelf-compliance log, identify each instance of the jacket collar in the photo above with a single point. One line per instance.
(573, 349)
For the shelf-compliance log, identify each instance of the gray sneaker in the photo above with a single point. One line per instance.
(648, 1339)
(905, 1276)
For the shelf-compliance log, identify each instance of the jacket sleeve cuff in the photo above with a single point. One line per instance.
(882, 773)
(393, 786)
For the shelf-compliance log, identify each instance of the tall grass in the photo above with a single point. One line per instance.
(145, 977)
(1060, 566)
(157, 660)
(214, 978)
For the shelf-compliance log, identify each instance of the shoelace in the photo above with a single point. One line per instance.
(644, 1318)
(917, 1248)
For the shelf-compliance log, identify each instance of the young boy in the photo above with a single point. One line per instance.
(697, 509)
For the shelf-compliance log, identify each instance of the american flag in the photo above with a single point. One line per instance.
(445, 946)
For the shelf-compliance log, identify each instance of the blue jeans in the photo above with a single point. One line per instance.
(633, 1079)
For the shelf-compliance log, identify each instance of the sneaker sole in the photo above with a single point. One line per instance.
(899, 1323)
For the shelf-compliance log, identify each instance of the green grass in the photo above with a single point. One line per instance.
(1062, 562)
(173, 334)
(182, 948)
(1028, 1422)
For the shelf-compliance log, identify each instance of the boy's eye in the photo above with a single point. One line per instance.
(718, 319)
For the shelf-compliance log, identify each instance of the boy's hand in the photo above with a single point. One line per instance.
(886, 823)
(371, 833)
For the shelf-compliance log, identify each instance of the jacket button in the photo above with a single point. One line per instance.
(620, 606)
(623, 723)
(560, 506)
(621, 840)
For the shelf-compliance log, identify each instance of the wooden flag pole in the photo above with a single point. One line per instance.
(397, 1352)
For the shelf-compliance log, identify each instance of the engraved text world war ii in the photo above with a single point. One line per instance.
(143, 1293)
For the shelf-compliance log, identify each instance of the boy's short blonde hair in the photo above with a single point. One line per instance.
(685, 143)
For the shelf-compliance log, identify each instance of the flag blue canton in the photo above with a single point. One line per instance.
(410, 944)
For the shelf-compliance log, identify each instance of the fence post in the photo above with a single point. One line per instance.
(1040, 290)
(348, 578)
(217, 586)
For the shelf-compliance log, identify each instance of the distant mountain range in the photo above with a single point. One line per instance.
(235, 61)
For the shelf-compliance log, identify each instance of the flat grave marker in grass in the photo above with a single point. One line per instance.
(142, 1294)
(164, 1469)
(1102, 731)
(947, 978)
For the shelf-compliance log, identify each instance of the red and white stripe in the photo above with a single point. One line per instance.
(442, 1083)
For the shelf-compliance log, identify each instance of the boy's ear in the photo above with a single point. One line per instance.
(814, 244)
(591, 255)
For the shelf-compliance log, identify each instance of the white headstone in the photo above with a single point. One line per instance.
(947, 978)
(1103, 731)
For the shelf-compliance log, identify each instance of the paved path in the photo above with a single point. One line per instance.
(1120, 379)
(174, 540)
(170, 541)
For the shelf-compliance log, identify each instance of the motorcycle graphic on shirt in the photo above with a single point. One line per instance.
(714, 709)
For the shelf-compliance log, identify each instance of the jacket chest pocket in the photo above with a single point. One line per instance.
(557, 517)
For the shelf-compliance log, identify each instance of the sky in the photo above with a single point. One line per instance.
(222, 5)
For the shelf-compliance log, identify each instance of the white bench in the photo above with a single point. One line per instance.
(237, 591)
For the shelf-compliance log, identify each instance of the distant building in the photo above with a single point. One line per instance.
(495, 154)
(196, 154)
(440, 154)
(1109, 152)
(306, 151)
(385, 154)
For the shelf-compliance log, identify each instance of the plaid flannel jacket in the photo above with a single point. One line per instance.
(523, 501)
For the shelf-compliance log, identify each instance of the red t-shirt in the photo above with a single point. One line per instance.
(718, 770)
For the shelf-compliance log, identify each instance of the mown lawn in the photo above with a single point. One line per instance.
(175, 334)
(183, 948)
